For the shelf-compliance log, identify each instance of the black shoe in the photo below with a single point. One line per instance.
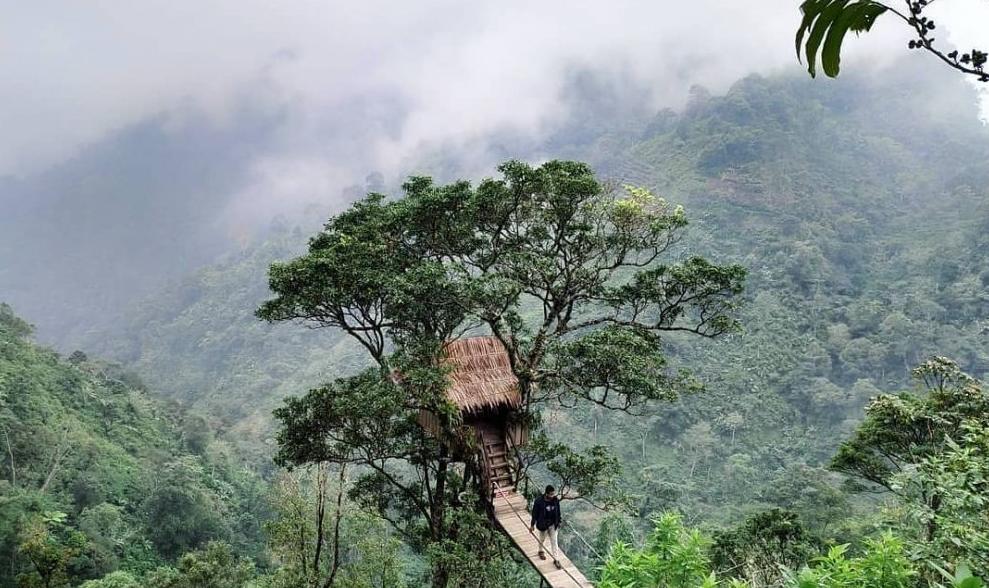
(542, 555)
(557, 563)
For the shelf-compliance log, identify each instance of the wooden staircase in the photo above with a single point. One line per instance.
(512, 514)
(496, 457)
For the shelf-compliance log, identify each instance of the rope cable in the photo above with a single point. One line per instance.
(581, 537)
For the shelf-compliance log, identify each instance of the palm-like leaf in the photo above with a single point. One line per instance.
(829, 21)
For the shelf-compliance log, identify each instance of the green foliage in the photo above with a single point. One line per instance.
(830, 21)
(12, 326)
(675, 556)
(866, 254)
(931, 453)
(95, 477)
(672, 556)
(403, 277)
(883, 564)
(49, 554)
(114, 580)
(366, 411)
(182, 511)
(866, 249)
(584, 474)
(945, 499)
(477, 554)
(963, 578)
(762, 547)
(549, 235)
(903, 429)
(215, 566)
(375, 558)
(319, 538)
(614, 361)
(817, 495)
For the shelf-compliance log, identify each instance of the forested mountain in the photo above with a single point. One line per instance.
(859, 208)
(98, 475)
(860, 222)
(862, 234)
(200, 344)
(122, 218)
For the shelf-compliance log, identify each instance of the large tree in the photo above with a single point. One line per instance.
(930, 451)
(901, 430)
(571, 276)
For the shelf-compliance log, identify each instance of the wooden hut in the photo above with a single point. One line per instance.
(483, 389)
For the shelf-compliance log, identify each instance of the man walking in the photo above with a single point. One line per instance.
(546, 518)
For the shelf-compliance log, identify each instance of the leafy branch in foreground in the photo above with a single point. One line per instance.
(931, 451)
(830, 21)
(677, 556)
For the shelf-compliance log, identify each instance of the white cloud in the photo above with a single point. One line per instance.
(73, 71)
(966, 24)
(368, 85)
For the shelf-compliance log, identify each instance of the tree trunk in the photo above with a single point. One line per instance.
(338, 517)
(439, 508)
(440, 573)
(57, 457)
(321, 482)
(440, 576)
(13, 466)
(932, 527)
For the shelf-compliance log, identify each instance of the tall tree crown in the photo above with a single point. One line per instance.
(566, 273)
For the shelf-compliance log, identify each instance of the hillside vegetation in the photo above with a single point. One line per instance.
(860, 209)
(863, 241)
(98, 476)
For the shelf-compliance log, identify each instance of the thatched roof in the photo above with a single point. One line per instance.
(481, 378)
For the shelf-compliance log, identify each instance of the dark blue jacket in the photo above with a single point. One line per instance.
(546, 512)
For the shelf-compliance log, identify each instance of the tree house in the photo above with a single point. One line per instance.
(485, 392)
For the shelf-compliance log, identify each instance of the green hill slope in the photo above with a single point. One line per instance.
(861, 217)
(859, 207)
(96, 475)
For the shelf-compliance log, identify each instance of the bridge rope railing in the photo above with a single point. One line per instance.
(498, 493)
(584, 541)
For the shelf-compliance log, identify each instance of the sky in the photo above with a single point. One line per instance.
(371, 86)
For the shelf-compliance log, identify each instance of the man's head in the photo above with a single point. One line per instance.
(550, 491)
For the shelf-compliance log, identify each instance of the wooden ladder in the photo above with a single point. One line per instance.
(496, 457)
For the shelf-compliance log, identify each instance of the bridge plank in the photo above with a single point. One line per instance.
(512, 514)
